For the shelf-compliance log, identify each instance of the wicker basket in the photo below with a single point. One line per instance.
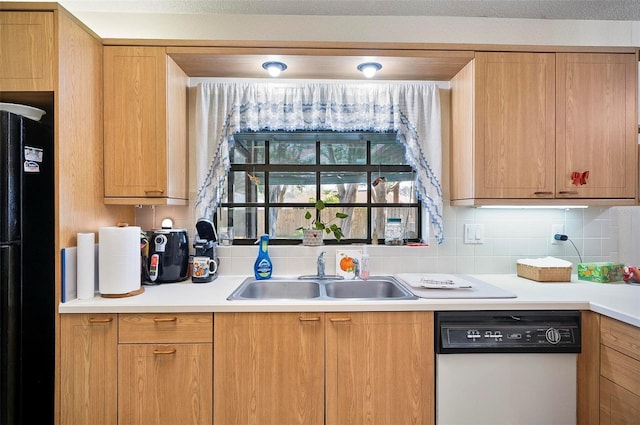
(544, 274)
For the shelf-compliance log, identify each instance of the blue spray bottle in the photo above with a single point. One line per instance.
(263, 267)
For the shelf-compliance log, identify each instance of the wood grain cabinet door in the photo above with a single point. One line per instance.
(597, 125)
(88, 369)
(514, 125)
(135, 154)
(269, 368)
(165, 384)
(380, 368)
(27, 51)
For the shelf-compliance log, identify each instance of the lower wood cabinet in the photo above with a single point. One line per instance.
(136, 369)
(164, 384)
(273, 368)
(619, 373)
(88, 369)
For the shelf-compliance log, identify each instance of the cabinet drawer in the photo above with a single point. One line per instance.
(165, 328)
(621, 369)
(617, 405)
(620, 336)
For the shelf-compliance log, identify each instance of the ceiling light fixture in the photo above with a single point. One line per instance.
(369, 69)
(274, 68)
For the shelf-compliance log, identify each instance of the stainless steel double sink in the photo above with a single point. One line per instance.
(375, 288)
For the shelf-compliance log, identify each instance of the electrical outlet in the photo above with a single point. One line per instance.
(556, 229)
(474, 233)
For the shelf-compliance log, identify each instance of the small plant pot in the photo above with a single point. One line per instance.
(311, 237)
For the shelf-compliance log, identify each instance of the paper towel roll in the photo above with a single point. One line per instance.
(86, 265)
(119, 260)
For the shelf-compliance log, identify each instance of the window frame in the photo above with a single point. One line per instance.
(371, 170)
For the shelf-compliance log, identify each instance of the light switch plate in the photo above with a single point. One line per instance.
(474, 233)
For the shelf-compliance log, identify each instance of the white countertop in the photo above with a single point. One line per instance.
(616, 300)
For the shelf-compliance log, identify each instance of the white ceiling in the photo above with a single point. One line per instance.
(628, 10)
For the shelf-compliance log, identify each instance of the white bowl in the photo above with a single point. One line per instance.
(24, 110)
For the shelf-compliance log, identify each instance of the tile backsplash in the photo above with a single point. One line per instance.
(598, 233)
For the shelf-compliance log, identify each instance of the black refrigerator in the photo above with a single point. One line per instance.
(27, 271)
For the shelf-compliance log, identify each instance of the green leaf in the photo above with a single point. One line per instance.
(307, 215)
(319, 205)
(341, 215)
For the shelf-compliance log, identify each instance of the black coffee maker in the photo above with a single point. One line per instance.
(205, 244)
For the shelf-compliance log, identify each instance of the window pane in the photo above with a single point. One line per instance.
(394, 187)
(247, 151)
(247, 187)
(292, 152)
(354, 226)
(387, 153)
(292, 187)
(247, 223)
(287, 220)
(343, 152)
(408, 217)
(343, 187)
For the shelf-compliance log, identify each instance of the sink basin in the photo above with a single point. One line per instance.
(376, 288)
(370, 289)
(252, 289)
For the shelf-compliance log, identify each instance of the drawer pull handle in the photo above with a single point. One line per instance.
(164, 319)
(154, 192)
(543, 193)
(105, 320)
(168, 351)
(568, 192)
(340, 319)
(309, 319)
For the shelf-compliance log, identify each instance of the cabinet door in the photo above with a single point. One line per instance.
(515, 125)
(380, 368)
(269, 368)
(88, 369)
(617, 405)
(597, 124)
(26, 51)
(135, 149)
(165, 384)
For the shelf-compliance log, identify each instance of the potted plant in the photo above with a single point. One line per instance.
(312, 234)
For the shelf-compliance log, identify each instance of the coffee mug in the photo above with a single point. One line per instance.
(204, 267)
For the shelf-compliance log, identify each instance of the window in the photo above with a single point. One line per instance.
(276, 177)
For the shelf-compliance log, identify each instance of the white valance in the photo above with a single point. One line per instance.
(411, 110)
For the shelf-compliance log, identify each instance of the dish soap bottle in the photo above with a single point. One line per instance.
(263, 267)
(364, 264)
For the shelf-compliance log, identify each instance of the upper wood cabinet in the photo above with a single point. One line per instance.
(524, 123)
(596, 124)
(145, 127)
(27, 51)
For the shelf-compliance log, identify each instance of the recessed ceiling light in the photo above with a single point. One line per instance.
(274, 68)
(369, 69)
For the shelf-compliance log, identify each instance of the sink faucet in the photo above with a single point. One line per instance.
(321, 263)
(356, 269)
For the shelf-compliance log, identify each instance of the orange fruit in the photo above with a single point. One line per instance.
(346, 264)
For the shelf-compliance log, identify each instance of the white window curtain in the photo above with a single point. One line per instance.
(411, 110)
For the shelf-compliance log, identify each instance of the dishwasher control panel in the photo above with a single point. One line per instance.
(509, 332)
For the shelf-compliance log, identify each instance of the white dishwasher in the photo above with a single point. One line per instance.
(506, 367)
